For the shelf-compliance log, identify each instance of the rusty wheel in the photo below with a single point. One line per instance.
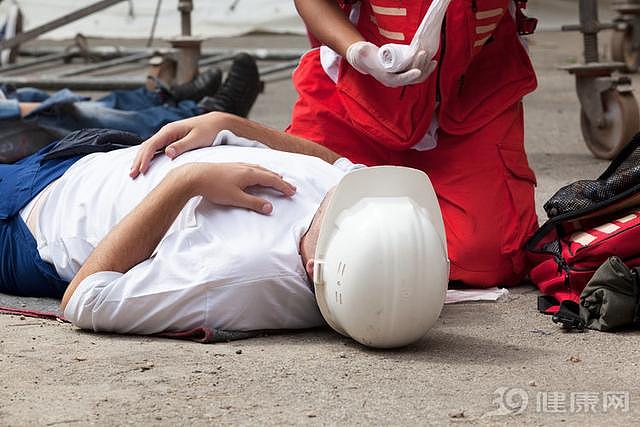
(622, 122)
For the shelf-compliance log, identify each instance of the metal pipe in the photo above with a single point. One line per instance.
(38, 61)
(577, 27)
(216, 59)
(185, 7)
(57, 23)
(262, 54)
(88, 83)
(107, 64)
(97, 51)
(106, 84)
(590, 27)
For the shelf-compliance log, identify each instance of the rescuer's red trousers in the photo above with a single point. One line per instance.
(483, 180)
(485, 188)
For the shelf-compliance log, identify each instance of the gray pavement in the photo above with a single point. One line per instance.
(479, 358)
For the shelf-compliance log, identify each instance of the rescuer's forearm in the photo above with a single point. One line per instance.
(328, 23)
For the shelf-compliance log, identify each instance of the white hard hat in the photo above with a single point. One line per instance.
(381, 268)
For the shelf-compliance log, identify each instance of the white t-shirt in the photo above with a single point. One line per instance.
(216, 267)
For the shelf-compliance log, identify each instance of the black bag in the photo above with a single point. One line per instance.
(88, 141)
(18, 139)
(589, 221)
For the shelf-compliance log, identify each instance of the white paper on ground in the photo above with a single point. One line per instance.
(398, 57)
(469, 295)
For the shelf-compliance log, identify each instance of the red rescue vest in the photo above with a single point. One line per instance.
(483, 69)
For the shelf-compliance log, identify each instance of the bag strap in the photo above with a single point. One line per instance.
(547, 304)
(568, 316)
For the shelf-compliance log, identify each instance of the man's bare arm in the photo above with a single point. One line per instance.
(135, 238)
(278, 140)
(197, 132)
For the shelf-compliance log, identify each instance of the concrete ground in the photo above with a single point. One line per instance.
(484, 363)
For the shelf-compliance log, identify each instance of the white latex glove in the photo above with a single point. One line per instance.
(396, 58)
(364, 57)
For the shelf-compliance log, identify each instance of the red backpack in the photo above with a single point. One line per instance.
(589, 221)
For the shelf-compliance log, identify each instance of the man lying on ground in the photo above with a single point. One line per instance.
(225, 237)
(31, 118)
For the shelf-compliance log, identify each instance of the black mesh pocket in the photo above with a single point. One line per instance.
(620, 179)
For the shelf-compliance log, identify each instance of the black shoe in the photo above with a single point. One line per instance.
(239, 91)
(206, 84)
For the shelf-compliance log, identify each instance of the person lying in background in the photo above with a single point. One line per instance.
(31, 118)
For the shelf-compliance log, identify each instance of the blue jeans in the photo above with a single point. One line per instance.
(139, 111)
(22, 271)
